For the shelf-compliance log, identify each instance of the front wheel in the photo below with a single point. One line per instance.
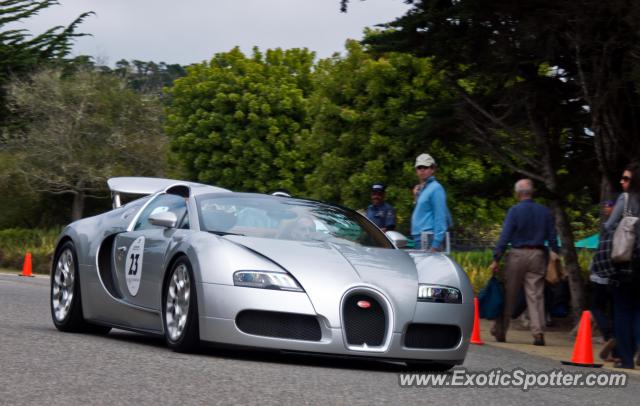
(66, 309)
(180, 308)
(66, 304)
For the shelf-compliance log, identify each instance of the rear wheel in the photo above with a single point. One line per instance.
(66, 305)
(180, 308)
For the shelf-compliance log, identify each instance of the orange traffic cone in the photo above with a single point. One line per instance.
(582, 350)
(26, 266)
(475, 335)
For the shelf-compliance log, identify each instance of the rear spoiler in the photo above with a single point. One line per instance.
(145, 186)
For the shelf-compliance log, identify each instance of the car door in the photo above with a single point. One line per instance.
(140, 252)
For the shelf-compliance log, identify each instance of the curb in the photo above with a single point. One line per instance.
(559, 345)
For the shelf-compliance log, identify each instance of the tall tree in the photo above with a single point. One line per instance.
(20, 52)
(235, 121)
(517, 97)
(592, 45)
(602, 44)
(81, 130)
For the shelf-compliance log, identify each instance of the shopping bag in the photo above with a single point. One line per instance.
(491, 299)
(554, 269)
(624, 238)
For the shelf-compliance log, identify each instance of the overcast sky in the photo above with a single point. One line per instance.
(188, 31)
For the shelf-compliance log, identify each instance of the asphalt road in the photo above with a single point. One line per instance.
(41, 366)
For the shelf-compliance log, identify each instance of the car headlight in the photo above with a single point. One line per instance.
(439, 294)
(266, 280)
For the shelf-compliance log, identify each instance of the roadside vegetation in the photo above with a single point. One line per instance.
(16, 242)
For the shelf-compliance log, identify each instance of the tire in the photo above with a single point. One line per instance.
(66, 305)
(180, 308)
(429, 367)
(65, 300)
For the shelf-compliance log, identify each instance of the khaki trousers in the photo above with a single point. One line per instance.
(526, 267)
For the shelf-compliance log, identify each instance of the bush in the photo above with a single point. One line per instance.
(476, 265)
(16, 242)
(584, 259)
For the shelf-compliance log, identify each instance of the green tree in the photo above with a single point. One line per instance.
(372, 117)
(81, 130)
(235, 121)
(20, 53)
(511, 71)
(149, 77)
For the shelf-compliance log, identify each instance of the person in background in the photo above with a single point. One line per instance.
(600, 270)
(607, 208)
(527, 227)
(626, 280)
(430, 212)
(379, 211)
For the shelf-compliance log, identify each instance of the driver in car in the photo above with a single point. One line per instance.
(302, 229)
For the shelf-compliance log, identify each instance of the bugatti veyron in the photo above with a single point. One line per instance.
(201, 264)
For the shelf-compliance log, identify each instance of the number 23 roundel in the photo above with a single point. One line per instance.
(133, 265)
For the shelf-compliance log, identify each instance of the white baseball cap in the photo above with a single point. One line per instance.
(425, 160)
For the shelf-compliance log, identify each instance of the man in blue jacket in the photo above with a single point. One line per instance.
(379, 211)
(527, 227)
(430, 212)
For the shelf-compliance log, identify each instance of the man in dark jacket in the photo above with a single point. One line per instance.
(527, 227)
(379, 211)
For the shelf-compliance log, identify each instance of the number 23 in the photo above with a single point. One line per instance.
(133, 269)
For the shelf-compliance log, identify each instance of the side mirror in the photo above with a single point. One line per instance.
(164, 219)
(399, 240)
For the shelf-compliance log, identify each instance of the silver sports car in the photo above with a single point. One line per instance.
(197, 263)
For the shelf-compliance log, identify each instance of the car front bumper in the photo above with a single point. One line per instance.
(221, 304)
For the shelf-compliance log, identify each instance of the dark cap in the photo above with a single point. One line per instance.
(377, 187)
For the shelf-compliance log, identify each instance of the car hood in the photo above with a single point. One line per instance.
(327, 270)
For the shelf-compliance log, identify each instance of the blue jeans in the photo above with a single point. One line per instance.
(626, 309)
(601, 302)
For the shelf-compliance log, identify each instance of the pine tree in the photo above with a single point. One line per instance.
(20, 52)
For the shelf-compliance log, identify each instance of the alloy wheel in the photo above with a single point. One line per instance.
(177, 306)
(63, 285)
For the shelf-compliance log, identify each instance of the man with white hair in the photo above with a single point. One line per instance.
(527, 227)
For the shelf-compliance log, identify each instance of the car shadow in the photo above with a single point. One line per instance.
(137, 338)
(305, 359)
(271, 356)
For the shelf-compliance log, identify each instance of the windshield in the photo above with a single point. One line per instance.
(286, 219)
